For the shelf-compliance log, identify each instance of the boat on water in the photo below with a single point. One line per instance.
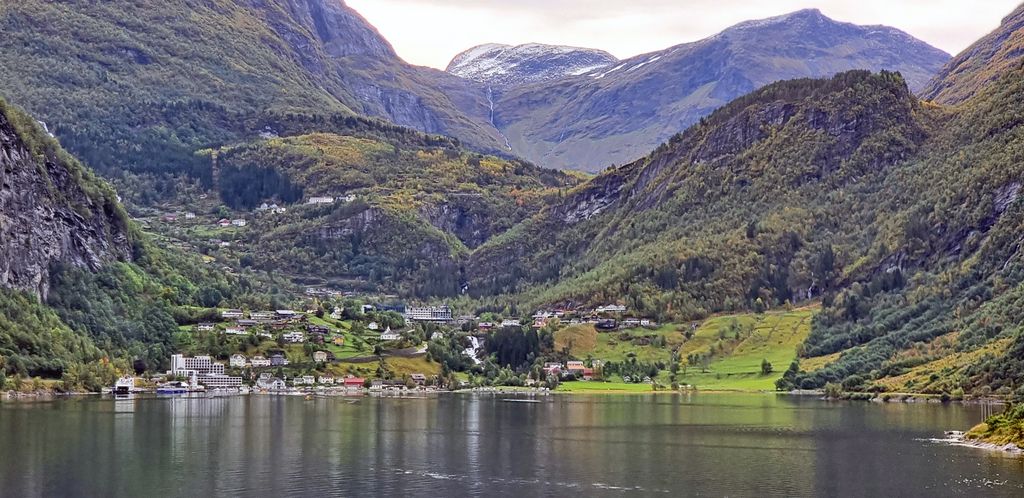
(178, 387)
(124, 386)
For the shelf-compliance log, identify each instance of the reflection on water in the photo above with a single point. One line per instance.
(716, 445)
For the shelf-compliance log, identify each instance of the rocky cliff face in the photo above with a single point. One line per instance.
(503, 66)
(50, 210)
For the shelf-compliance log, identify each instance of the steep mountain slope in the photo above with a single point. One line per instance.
(741, 207)
(52, 210)
(139, 87)
(77, 280)
(504, 66)
(981, 64)
(613, 116)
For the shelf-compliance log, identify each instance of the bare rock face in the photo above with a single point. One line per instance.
(502, 66)
(47, 216)
(341, 30)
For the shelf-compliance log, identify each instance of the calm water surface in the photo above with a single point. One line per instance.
(478, 445)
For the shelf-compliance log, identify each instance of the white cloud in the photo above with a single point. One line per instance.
(430, 32)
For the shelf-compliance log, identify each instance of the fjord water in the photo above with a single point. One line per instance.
(480, 445)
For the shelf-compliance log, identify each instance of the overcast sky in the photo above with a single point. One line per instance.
(431, 32)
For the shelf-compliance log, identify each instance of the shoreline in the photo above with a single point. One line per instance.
(957, 438)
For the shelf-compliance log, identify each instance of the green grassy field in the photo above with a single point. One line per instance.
(603, 387)
(736, 343)
(737, 363)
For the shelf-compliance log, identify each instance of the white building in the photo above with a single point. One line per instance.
(295, 337)
(320, 200)
(441, 314)
(336, 314)
(270, 383)
(373, 326)
(320, 356)
(237, 361)
(511, 323)
(204, 327)
(235, 331)
(239, 222)
(388, 335)
(611, 308)
(262, 316)
(232, 314)
(260, 362)
(203, 370)
(327, 380)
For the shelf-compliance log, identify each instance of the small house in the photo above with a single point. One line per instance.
(237, 361)
(320, 357)
(354, 382)
(388, 335)
(259, 362)
(232, 314)
(419, 379)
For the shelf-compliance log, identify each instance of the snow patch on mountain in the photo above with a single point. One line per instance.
(503, 66)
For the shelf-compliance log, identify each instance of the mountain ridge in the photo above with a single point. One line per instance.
(566, 124)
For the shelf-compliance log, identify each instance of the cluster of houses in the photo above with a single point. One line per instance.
(238, 222)
(570, 368)
(279, 319)
(271, 208)
(241, 361)
(330, 200)
(603, 318)
(174, 217)
(267, 382)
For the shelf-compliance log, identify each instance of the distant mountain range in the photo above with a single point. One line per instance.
(613, 115)
(113, 80)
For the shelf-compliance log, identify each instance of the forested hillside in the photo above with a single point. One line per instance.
(763, 202)
(403, 213)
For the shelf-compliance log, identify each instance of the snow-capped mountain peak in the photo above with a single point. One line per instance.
(508, 66)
